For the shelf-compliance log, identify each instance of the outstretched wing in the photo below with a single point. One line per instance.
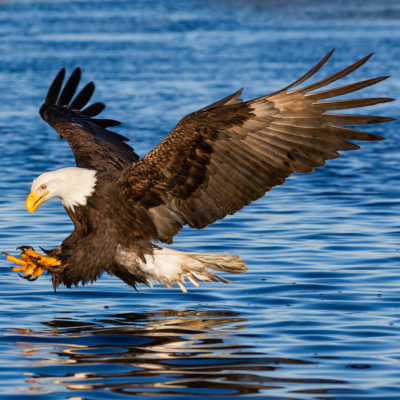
(94, 146)
(223, 157)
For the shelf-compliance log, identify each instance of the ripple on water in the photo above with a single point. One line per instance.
(317, 314)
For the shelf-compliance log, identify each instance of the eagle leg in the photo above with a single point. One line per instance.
(28, 266)
(33, 264)
(40, 258)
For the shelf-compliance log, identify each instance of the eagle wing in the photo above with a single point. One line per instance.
(94, 146)
(223, 157)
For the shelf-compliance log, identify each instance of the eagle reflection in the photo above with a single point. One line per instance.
(157, 353)
(166, 351)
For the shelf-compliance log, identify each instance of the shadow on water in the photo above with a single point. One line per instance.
(169, 352)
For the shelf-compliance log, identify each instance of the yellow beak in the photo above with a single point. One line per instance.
(33, 201)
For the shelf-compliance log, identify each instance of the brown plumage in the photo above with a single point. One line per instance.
(93, 146)
(215, 161)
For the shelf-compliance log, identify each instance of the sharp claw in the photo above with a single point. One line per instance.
(5, 253)
(45, 251)
(30, 278)
(24, 248)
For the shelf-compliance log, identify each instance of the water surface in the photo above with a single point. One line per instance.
(317, 314)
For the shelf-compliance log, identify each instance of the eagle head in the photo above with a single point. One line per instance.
(72, 185)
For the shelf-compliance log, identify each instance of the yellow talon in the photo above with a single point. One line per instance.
(33, 253)
(38, 271)
(42, 260)
(33, 264)
(16, 269)
(30, 265)
(16, 260)
(48, 262)
(26, 258)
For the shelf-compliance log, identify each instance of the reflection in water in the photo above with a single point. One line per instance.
(321, 299)
(170, 352)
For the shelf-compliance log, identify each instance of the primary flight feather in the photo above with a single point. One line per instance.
(214, 162)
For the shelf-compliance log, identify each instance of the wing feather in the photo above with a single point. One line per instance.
(55, 87)
(93, 110)
(83, 97)
(306, 76)
(335, 77)
(353, 87)
(223, 157)
(94, 146)
(345, 104)
(70, 88)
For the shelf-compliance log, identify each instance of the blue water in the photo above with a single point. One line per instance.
(317, 314)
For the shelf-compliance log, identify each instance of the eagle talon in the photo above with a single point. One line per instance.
(44, 250)
(29, 278)
(31, 263)
(23, 249)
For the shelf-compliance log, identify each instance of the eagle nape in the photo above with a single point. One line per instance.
(213, 163)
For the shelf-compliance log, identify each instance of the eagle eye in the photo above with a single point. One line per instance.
(43, 187)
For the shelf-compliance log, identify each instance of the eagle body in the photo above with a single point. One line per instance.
(214, 162)
(99, 234)
(104, 241)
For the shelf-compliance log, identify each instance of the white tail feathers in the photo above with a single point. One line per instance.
(171, 267)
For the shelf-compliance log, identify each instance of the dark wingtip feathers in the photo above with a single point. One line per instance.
(55, 88)
(93, 110)
(106, 123)
(83, 97)
(80, 101)
(70, 88)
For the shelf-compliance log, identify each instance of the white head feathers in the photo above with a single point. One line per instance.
(72, 185)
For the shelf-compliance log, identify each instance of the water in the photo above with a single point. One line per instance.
(317, 314)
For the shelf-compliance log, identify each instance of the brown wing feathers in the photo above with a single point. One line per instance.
(93, 146)
(225, 156)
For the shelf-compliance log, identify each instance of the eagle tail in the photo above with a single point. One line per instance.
(197, 267)
(170, 267)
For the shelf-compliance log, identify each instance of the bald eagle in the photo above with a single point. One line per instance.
(214, 162)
